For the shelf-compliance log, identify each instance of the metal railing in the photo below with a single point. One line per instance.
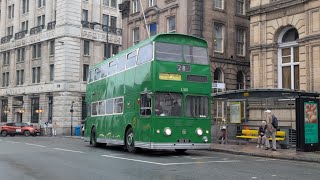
(87, 24)
(6, 39)
(112, 30)
(36, 29)
(20, 34)
(51, 25)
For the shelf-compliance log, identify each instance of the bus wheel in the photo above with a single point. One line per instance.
(180, 150)
(93, 139)
(130, 141)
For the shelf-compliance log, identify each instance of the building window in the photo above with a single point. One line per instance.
(10, 30)
(219, 4)
(240, 7)
(241, 36)
(105, 19)
(135, 6)
(41, 3)
(5, 79)
(84, 15)
(218, 81)
(51, 72)
(114, 3)
(289, 60)
(41, 20)
(218, 37)
(105, 2)
(83, 108)
(34, 110)
(24, 25)
(20, 54)
(25, 6)
(51, 48)
(171, 24)
(85, 72)
(36, 51)
(110, 50)
(153, 29)
(240, 80)
(6, 58)
(20, 77)
(152, 3)
(50, 108)
(36, 75)
(135, 35)
(86, 48)
(11, 11)
(4, 110)
(113, 21)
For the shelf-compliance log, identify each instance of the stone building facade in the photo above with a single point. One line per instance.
(222, 23)
(285, 46)
(46, 49)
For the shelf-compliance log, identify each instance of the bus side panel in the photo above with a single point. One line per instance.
(143, 82)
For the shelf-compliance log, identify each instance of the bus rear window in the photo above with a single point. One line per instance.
(195, 55)
(169, 52)
(181, 53)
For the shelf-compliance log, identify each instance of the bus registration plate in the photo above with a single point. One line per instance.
(183, 68)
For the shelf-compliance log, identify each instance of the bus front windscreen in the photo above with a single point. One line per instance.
(181, 53)
(168, 104)
(197, 106)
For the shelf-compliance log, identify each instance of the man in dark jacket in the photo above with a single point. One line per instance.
(261, 134)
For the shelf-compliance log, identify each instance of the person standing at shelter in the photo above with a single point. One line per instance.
(54, 129)
(270, 131)
(261, 134)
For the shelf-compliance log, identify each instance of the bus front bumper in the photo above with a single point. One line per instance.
(173, 145)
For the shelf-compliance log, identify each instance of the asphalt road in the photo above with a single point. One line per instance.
(57, 158)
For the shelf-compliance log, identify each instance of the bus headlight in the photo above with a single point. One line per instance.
(167, 131)
(205, 139)
(199, 131)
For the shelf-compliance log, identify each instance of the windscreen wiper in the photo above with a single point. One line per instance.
(192, 113)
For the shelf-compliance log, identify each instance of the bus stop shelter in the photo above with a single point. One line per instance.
(240, 109)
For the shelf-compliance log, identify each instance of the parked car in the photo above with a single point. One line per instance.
(13, 129)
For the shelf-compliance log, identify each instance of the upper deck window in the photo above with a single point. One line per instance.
(181, 53)
(145, 54)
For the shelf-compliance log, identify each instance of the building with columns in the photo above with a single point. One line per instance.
(46, 49)
(285, 47)
(222, 23)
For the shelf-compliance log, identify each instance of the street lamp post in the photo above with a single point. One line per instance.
(71, 111)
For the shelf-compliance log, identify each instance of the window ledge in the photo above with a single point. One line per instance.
(242, 15)
(86, 55)
(52, 55)
(242, 56)
(218, 52)
(220, 10)
(34, 59)
(135, 14)
(20, 62)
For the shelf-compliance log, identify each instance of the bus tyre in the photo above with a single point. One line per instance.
(180, 150)
(130, 141)
(93, 139)
(4, 133)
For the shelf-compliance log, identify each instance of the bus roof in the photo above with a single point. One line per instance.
(166, 37)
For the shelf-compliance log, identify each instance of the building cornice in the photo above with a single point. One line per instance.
(274, 6)
(228, 61)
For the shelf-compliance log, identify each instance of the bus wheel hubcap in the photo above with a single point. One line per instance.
(130, 139)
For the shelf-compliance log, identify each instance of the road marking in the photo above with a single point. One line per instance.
(203, 162)
(273, 175)
(68, 150)
(253, 177)
(168, 164)
(136, 160)
(0, 140)
(34, 145)
(205, 157)
(13, 142)
(266, 159)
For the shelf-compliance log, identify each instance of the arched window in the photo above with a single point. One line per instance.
(240, 80)
(218, 81)
(288, 59)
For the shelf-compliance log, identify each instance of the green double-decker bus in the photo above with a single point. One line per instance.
(154, 95)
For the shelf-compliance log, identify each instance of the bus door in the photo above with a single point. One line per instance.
(144, 123)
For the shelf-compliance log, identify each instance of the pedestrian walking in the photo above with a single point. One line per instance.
(261, 134)
(271, 130)
(54, 129)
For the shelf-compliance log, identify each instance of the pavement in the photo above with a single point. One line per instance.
(250, 149)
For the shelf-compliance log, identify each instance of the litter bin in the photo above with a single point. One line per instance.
(77, 131)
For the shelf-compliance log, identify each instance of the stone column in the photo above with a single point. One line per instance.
(32, 14)
(27, 109)
(16, 22)
(3, 18)
(10, 115)
(96, 11)
(49, 7)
